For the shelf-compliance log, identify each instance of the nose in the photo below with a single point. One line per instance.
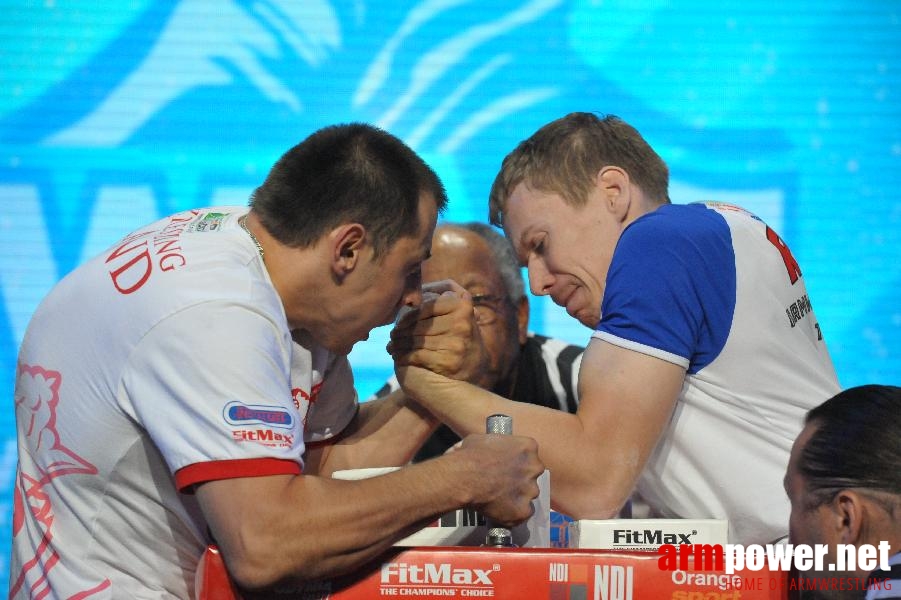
(412, 298)
(413, 291)
(540, 278)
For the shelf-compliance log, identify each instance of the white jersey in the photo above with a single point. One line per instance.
(165, 362)
(713, 289)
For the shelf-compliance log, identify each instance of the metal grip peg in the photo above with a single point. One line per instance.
(499, 537)
(499, 424)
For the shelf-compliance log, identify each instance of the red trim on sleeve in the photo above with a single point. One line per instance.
(232, 469)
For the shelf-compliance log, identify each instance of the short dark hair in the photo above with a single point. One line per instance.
(346, 173)
(565, 156)
(856, 443)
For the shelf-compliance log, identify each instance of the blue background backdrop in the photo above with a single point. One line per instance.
(113, 114)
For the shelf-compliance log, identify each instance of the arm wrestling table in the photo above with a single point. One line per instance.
(516, 574)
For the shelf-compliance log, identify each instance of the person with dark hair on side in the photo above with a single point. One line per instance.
(844, 484)
(521, 365)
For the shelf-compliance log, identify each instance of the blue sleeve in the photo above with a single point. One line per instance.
(670, 288)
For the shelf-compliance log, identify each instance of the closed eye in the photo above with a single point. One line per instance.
(414, 278)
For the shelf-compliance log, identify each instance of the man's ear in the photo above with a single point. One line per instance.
(849, 513)
(522, 318)
(613, 185)
(346, 243)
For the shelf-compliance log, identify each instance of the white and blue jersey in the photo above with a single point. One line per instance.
(712, 288)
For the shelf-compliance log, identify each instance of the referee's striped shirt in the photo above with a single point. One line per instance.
(885, 584)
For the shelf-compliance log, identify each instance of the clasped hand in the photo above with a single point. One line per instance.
(440, 335)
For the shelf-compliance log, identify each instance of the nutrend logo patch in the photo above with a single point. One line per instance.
(240, 414)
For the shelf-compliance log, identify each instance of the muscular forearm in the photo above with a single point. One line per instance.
(386, 432)
(289, 529)
(341, 525)
(589, 478)
(377, 512)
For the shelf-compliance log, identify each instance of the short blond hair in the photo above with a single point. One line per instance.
(565, 156)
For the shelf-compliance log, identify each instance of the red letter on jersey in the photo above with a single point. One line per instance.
(791, 265)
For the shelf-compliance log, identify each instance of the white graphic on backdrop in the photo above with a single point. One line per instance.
(436, 62)
(198, 37)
